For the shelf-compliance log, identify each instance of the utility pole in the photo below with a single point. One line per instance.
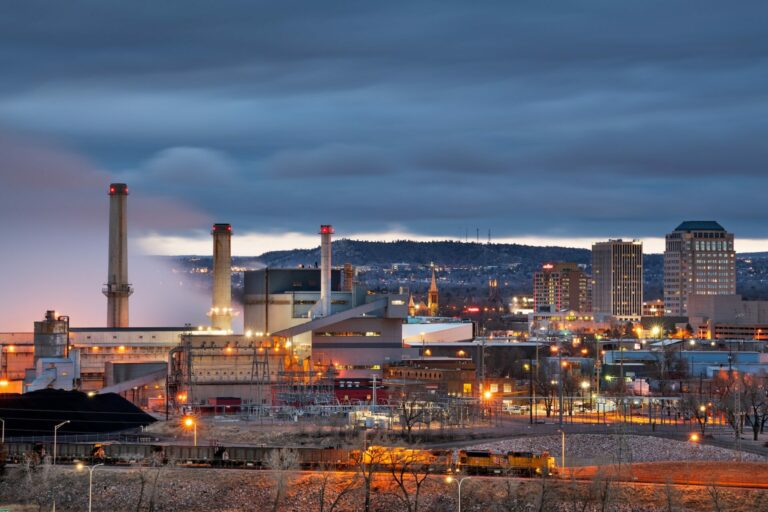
(560, 382)
(373, 403)
(530, 388)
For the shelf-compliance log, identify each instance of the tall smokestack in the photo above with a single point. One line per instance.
(117, 288)
(326, 230)
(221, 305)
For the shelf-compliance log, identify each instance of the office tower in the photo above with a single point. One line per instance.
(562, 286)
(699, 260)
(617, 278)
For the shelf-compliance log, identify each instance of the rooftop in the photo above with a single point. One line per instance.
(699, 225)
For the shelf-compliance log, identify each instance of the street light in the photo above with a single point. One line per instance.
(80, 466)
(694, 437)
(190, 422)
(55, 433)
(450, 479)
(585, 389)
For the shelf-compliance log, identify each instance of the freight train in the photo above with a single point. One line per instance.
(471, 462)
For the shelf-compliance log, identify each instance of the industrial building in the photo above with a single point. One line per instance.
(728, 316)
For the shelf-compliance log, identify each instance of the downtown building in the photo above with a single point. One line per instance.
(617, 279)
(560, 286)
(699, 259)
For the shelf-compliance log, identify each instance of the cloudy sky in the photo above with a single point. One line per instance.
(545, 122)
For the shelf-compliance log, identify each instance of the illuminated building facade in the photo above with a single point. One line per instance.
(699, 260)
(617, 279)
(560, 286)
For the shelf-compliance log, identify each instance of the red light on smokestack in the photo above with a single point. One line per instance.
(218, 228)
(118, 189)
(326, 229)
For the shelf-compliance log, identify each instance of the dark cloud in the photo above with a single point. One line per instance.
(531, 118)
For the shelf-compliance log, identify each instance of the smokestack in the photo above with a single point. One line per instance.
(326, 230)
(117, 288)
(221, 305)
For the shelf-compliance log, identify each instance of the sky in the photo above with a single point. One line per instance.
(544, 122)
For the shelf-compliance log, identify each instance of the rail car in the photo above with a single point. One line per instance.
(472, 462)
(486, 462)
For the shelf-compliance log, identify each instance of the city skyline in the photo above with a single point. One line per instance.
(212, 124)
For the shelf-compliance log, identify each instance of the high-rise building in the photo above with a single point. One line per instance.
(617, 278)
(699, 260)
(562, 286)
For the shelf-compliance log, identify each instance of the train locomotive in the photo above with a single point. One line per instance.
(439, 461)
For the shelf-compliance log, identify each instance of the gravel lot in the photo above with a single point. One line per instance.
(592, 449)
(193, 490)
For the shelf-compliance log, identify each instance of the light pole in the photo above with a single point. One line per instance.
(2, 437)
(80, 466)
(450, 479)
(190, 422)
(55, 434)
(562, 450)
(585, 390)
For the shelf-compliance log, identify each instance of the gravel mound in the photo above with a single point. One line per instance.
(591, 449)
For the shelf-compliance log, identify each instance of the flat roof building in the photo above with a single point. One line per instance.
(699, 260)
(617, 279)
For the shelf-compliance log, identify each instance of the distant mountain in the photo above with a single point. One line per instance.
(449, 253)
(755, 255)
(512, 264)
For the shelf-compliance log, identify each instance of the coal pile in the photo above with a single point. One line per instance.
(36, 413)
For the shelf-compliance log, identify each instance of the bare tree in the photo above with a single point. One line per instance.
(671, 497)
(409, 469)
(729, 392)
(366, 463)
(603, 491)
(545, 490)
(411, 407)
(324, 496)
(160, 467)
(283, 463)
(546, 387)
(716, 495)
(512, 501)
(755, 402)
(695, 407)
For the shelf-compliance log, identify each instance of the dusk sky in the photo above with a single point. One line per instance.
(545, 122)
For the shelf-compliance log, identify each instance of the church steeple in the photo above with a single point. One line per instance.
(432, 296)
(411, 306)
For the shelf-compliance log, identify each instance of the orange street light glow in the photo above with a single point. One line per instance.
(189, 422)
